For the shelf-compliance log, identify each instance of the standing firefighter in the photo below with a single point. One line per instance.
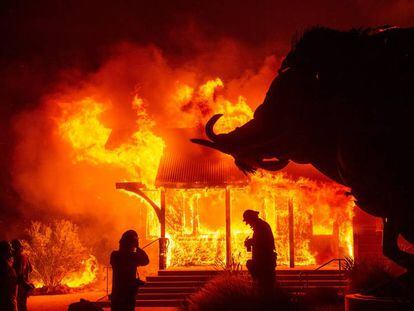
(23, 268)
(262, 245)
(124, 264)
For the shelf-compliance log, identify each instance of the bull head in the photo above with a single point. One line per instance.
(280, 129)
(240, 143)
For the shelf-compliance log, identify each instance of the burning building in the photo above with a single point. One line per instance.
(190, 198)
(200, 195)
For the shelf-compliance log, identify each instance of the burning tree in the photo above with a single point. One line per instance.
(57, 254)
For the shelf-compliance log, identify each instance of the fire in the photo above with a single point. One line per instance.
(197, 105)
(195, 218)
(85, 277)
(81, 127)
(197, 239)
(38, 284)
(79, 278)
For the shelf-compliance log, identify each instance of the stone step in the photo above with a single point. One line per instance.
(282, 283)
(162, 296)
(151, 289)
(189, 272)
(179, 299)
(290, 288)
(190, 290)
(320, 283)
(175, 284)
(279, 272)
(171, 288)
(179, 278)
(185, 295)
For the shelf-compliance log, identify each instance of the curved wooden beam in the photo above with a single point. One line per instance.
(137, 189)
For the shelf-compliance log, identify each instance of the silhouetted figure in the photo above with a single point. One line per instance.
(22, 267)
(8, 279)
(124, 264)
(262, 245)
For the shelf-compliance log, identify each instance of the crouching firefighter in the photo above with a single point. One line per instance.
(262, 245)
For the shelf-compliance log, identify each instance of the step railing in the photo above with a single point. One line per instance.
(306, 274)
(339, 260)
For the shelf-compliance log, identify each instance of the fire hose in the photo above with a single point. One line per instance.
(166, 239)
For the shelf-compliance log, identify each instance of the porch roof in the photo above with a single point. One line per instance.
(187, 165)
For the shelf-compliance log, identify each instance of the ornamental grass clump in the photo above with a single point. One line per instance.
(366, 275)
(230, 291)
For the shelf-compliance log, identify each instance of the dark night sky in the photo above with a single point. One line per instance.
(41, 38)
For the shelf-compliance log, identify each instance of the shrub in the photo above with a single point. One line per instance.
(232, 291)
(55, 251)
(366, 275)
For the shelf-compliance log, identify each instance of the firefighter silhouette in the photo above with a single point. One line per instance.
(22, 267)
(124, 264)
(8, 278)
(262, 245)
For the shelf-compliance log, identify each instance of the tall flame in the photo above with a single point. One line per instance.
(196, 217)
(81, 127)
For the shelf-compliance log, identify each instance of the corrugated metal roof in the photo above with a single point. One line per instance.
(187, 165)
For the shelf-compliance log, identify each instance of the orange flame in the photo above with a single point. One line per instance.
(79, 278)
(81, 126)
(85, 277)
(196, 217)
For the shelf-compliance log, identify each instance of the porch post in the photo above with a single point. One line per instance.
(291, 235)
(228, 229)
(163, 240)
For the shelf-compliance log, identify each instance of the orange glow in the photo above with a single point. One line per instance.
(79, 278)
(85, 277)
(201, 103)
(196, 227)
(195, 218)
(81, 126)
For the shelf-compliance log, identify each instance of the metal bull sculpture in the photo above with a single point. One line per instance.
(343, 102)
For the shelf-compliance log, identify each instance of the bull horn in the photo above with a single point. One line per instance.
(208, 143)
(273, 165)
(209, 127)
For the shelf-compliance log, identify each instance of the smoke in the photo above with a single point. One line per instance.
(63, 51)
(48, 176)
